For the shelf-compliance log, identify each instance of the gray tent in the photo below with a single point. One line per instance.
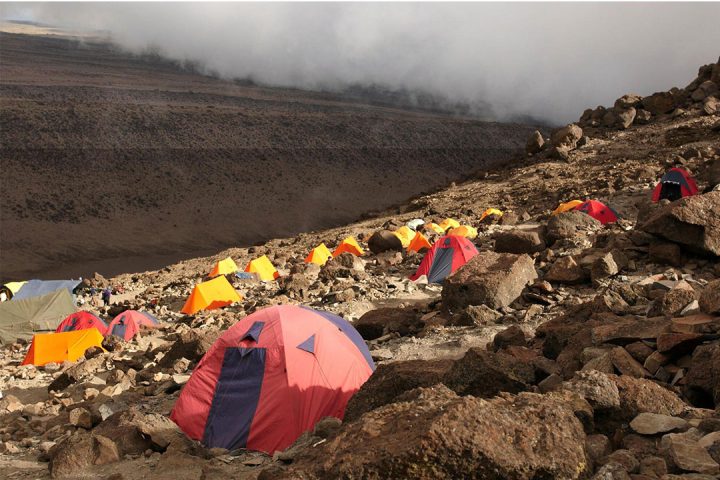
(22, 318)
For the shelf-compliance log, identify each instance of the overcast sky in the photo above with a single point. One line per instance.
(548, 60)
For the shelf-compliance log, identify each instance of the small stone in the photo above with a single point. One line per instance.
(654, 423)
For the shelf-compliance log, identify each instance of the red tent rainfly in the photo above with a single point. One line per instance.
(599, 211)
(82, 320)
(271, 377)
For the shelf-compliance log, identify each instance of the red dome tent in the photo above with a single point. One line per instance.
(127, 324)
(82, 320)
(271, 377)
(447, 255)
(675, 184)
(599, 211)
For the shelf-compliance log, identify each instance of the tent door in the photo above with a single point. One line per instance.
(442, 265)
(236, 398)
(671, 191)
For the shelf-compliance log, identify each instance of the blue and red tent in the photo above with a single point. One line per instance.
(128, 323)
(447, 255)
(675, 184)
(271, 377)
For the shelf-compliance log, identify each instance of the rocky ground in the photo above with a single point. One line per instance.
(566, 349)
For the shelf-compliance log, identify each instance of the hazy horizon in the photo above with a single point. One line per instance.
(548, 61)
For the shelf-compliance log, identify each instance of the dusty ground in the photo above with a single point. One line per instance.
(115, 163)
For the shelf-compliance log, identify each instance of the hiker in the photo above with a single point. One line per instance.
(106, 296)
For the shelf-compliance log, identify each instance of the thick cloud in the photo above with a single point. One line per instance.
(548, 60)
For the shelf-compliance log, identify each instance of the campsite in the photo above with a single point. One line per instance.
(553, 316)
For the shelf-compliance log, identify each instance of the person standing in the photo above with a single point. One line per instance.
(106, 296)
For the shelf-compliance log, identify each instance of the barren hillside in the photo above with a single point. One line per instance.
(113, 163)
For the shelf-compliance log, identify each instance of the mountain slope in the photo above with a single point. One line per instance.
(111, 156)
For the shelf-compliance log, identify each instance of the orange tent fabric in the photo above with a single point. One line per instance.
(59, 347)
(319, 255)
(349, 245)
(435, 228)
(567, 206)
(215, 293)
(419, 242)
(405, 234)
(449, 223)
(464, 231)
(224, 267)
(491, 211)
(263, 268)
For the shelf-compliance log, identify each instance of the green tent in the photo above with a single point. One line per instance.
(22, 318)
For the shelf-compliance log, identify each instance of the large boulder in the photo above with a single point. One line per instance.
(382, 321)
(702, 381)
(485, 374)
(390, 380)
(710, 297)
(79, 451)
(383, 241)
(569, 225)
(566, 137)
(535, 143)
(433, 433)
(519, 241)
(658, 103)
(191, 344)
(566, 270)
(692, 221)
(490, 278)
(135, 432)
(639, 395)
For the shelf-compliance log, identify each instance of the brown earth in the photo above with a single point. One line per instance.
(114, 163)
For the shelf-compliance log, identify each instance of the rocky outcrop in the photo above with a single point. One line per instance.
(492, 279)
(383, 241)
(693, 222)
(432, 433)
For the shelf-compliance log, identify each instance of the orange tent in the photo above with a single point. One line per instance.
(319, 255)
(449, 223)
(405, 234)
(58, 347)
(491, 211)
(567, 206)
(464, 231)
(435, 228)
(223, 267)
(215, 293)
(349, 245)
(419, 242)
(263, 268)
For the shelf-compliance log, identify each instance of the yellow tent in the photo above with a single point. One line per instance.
(449, 223)
(319, 255)
(209, 295)
(223, 267)
(464, 231)
(405, 234)
(490, 211)
(264, 269)
(349, 245)
(419, 242)
(13, 287)
(435, 228)
(58, 347)
(564, 207)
